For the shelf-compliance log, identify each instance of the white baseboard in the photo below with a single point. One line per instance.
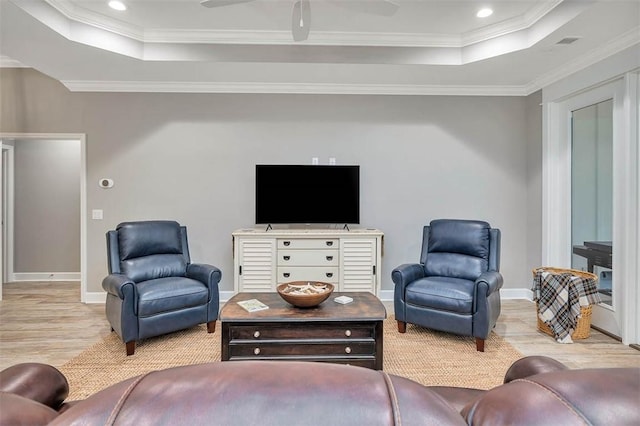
(516, 293)
(95, 297)
(45, 276)
(385, 295)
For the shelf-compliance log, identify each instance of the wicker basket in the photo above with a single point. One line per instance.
(583, 325)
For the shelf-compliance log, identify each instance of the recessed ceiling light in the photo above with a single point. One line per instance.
(117, 5)
(483, 13)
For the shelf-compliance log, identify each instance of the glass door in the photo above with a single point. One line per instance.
(592, 203)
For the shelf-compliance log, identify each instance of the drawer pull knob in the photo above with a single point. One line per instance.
(286, 257)
(329, 258)
(256, 351)
(329, 243)
(329, 274)
(286, 243)
(347, 350)
(286, 274)
(347, 333)
(256, 334)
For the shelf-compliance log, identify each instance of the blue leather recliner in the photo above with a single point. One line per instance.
(456, 286)
(152, 287)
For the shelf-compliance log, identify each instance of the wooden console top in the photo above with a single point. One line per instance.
(365, 306)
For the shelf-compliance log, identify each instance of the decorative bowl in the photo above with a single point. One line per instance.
(305, 294)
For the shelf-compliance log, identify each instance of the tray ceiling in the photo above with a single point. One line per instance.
(353, 46)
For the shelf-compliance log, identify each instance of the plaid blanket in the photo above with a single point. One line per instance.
(559, 297)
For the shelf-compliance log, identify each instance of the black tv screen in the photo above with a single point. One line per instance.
(307, 194)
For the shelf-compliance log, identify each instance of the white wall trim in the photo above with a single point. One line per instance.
(628, 40)
(630, 218)
(8, 236)
(625, 41)
(7, 62)
(516, 293)
(99, 297)
(45, 276)
(291, 88)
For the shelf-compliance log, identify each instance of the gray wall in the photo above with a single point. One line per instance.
(47, 206)
(191, 157)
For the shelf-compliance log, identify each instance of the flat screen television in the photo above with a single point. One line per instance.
(301, 194)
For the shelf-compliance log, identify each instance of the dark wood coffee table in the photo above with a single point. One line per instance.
(331, 332)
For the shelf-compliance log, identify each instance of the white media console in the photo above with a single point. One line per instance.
(349, 259)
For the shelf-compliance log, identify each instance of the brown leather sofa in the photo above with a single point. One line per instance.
(537, 391)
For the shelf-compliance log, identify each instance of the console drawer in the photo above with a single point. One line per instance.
(308, 257)
(308, 243)
(328, 274)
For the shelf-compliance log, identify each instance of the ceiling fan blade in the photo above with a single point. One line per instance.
(301, 20)
(218, 3)
(372, 7)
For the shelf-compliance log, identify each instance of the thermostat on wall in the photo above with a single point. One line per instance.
(105, 183)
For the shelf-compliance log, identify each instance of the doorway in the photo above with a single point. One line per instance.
(7, 248)
(618, 315)
(592, 204)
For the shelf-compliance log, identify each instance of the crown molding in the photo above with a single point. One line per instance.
(509, 26)
(316, 38)
(625, 41)
(7, 62)
(291, 88)
(88, 17)
(166, 35)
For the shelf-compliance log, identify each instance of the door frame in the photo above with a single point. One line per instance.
(556, 189)
(81, 137)
(6, 269)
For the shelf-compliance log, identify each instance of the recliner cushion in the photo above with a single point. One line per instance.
(139, 239)
(155, 266)
(458, 249)
(170, 294)
(442, 294)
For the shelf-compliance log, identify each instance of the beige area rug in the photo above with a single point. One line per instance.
(423, 355)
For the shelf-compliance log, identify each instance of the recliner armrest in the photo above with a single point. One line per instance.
(209, 275)
(492, 279)
(35, 381)
(116, 284)
(406, 273)
(532, 365)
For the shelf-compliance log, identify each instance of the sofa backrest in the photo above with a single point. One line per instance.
(460, 248)
(148, 250)
(266, 393)
(605, 396)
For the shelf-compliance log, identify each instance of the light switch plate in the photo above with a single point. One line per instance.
(96, 214)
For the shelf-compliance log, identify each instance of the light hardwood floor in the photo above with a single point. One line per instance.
(45, 322)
